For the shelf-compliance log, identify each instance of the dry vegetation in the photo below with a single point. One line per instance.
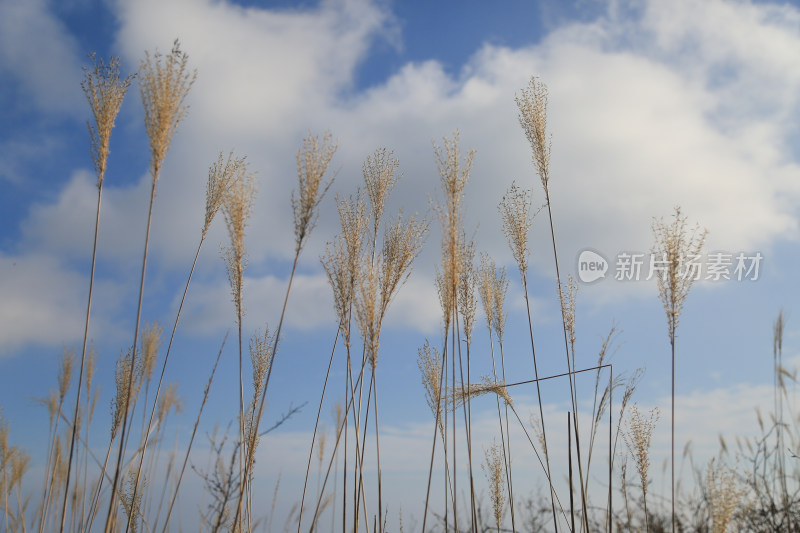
(366, 265)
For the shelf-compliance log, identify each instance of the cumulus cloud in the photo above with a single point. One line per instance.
(38, 50)
(639, 125)
(44, 303)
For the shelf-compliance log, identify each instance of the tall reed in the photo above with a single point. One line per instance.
(164, 83)
(675, 245)
(105, 91)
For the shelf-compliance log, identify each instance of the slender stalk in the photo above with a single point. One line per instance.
(194, 432)
(110, 517)
(314, 434)
(105, 92)
(539, 397)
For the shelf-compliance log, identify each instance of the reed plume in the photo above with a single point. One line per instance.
(532, 106)
(637, 436)
(164, 82)
(312, 164)
(105, 90)
(515, 212)
(495, 474)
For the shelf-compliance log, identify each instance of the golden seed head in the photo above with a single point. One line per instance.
(637, 436)
(454, 174)
(65, 366)
(367, 311)
(105, 91)
(312, 164)
(221, 175)
(515, 210)
(237, 203)
(164, 83)
(495, 474)
(151, 342)
(380, 177)
(168, 401)
(674, 244)
(532, 106)
(568, 307)
(402, 243)
(467, 301)
(429, 361)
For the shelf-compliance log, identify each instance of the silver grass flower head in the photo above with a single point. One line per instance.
(164, 83)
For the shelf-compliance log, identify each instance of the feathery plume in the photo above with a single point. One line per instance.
(495, 474)
(164, 82)
(221, 176)
(105, 91)
(532, 106)
(515, 210)
(674, 245)
(312, 163)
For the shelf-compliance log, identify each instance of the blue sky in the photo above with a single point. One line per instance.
(652, 105)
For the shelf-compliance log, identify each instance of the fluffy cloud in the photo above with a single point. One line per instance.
(37, 49)
(44, 303)
(649, 108)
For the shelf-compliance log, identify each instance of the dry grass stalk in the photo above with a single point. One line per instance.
(54, 403)
(532, 106)
(164, 85)
(724, 495)
(495, 474)
(237, 204)
(674, 244)
(312, 164)
(221, 175)
(164, 82)
(462, 393)
(105, 91)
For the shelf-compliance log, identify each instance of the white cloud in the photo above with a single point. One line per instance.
(37, 49)
(210, 306)
(636, 125)
(44, 303)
